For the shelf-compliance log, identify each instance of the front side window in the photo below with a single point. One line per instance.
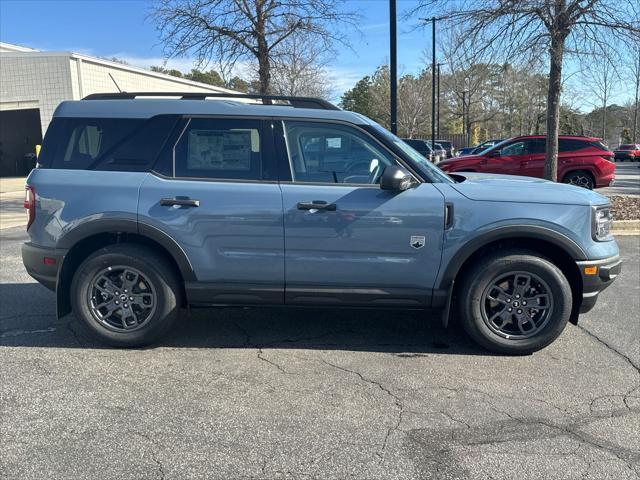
(219, 149)
(516, 148)
(333, 153)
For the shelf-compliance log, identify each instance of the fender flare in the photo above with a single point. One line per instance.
(508, 231)
(109, 225)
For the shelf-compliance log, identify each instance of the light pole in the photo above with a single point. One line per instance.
(433, 83)
(393, 60)
(433, 77)
(438, 97)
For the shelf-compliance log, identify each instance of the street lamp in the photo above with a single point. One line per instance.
(433, 78)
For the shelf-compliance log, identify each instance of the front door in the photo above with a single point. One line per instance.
(508, 161)
(533, 166)
(220, 202)
(347, 242)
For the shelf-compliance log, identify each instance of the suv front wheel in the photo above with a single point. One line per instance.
(126, 294)
(514, 302)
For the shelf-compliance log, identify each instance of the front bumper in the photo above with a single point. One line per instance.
(43, 263)
(607, 269)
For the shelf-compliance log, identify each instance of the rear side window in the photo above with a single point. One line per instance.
(570, 145)
(220, 149)
(105, 143)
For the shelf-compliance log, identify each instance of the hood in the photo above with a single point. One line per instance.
(510, 188)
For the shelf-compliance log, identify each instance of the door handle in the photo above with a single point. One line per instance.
(317, 205)
(182, 202)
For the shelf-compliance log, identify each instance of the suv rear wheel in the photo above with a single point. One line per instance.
(514, 302)
(580, 179)
(126, 294)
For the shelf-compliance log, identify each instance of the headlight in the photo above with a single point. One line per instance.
(602, 220)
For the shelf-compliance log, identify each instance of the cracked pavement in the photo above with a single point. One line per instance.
(319, 394)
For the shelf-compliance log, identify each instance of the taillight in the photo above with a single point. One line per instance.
(30, 204)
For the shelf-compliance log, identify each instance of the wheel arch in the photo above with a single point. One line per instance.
(87, 238)
(559, 249)
(580, 169)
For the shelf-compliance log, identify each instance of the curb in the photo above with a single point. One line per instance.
(626, 227)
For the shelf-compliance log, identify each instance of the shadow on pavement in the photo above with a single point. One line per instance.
(27, 319)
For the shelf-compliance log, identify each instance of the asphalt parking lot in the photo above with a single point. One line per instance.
(277, 393)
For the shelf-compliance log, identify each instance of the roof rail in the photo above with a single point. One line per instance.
(296, 102)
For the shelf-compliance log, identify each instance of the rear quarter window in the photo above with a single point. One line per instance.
(105, 143)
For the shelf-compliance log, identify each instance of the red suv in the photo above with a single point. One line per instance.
(628, 151)
(582, 161)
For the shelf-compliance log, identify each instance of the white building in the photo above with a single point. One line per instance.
(33, 83)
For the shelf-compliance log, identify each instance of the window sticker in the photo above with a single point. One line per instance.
(220, 149)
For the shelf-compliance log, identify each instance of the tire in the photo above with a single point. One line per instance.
(476, 309)
(156, 295)
(580, 179)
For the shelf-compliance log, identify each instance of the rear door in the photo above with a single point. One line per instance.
(215, 193)
(347, 242)
(532, 165)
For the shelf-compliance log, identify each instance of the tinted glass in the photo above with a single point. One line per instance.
(446, 145)
(80, 142)
(571, 145)
(536, 145)
(139, 151)
(333, 153)
(627, 147)
(222, 149)
(105, 144)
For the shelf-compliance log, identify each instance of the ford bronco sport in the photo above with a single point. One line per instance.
(142, 206)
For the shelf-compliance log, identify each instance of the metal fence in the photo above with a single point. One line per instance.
(459, 140)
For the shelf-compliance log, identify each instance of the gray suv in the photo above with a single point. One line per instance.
(142, 206)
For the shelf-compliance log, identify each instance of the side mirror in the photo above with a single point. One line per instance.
(495, 153)
(396, 178)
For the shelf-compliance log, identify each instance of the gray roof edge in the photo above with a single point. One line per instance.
(146, 108)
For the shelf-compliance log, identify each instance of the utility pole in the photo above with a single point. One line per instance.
(393, 60)
(635, 110)
(464, 120)
(438, 113)
(433, 84)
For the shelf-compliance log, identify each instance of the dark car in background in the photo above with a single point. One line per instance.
(582, 161)
(478, 148)
(421, 146)
(627, 151)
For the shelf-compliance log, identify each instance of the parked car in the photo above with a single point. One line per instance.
(582, 161)
(439, 152)
(627, 151)
(448, 147)
(478, 148)
(421, 146)
(139, 207)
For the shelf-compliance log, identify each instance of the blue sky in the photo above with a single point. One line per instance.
(120, 28)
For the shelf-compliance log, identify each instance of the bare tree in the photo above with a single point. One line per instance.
(634, 72)
(558, 27)
(229, 31)
(599, 81)
(300, 69)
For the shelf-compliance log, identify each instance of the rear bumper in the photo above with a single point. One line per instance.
(607, 271)
(33, 258)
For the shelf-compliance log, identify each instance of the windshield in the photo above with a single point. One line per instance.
(433, 173)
